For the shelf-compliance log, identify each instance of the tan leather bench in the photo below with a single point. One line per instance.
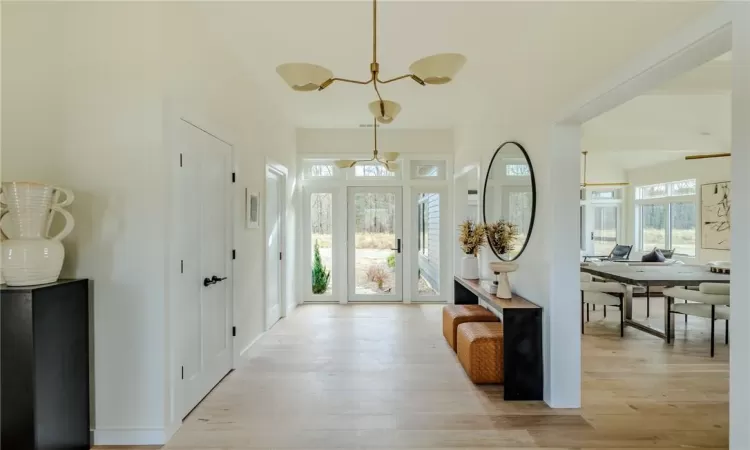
(480, 351)
(455, 315)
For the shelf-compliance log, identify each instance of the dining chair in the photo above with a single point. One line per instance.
(601, 293)
(710, 301)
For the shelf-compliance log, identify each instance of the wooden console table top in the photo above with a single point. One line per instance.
(517, 302)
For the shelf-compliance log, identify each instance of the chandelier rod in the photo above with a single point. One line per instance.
(374, 31)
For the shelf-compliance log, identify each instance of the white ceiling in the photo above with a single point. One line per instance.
(688, 115)
(525, 59)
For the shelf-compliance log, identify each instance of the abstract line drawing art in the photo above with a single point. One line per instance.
(715, 215)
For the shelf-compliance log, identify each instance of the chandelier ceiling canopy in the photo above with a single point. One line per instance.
(435, 69)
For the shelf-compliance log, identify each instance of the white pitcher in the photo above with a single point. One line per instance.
(29, 255)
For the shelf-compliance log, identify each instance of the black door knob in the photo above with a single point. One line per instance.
(216, 279)
(208, 282)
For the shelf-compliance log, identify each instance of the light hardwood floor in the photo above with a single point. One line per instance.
(382, 376)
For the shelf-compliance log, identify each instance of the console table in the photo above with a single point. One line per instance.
(44, 374)
(522, 338)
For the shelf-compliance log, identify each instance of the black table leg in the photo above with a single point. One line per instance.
(648, 301)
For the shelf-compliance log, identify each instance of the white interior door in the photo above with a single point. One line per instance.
(374, 243)
(204, 229)
(274, 222)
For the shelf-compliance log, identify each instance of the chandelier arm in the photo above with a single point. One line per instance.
(375, 85)
(345, 80)
(408, 75)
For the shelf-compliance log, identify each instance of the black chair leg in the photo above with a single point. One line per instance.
(594, 306)
(686, 315)
(605, 311)
(587, 312)
(622, 316)
(713, 323)
(648, 301)
(668, 331)
(726, 333)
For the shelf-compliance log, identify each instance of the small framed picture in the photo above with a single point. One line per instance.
(252, 209)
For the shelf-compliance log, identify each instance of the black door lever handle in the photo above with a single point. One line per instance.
(213, 280)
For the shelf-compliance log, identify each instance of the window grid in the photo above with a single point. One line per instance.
(670, 208)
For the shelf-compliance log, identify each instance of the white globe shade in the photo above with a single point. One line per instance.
(304, 77)
(438, 69)
(391, 111)
(392, 166)
(390, 156)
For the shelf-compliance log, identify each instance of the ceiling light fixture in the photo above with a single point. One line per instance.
(388, 159)
(708, 155)
(435, 69)
(586, 184)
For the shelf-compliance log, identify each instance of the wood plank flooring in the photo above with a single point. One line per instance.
(382, 376)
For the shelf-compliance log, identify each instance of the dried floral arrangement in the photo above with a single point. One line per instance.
(471, 237)
(501, 235)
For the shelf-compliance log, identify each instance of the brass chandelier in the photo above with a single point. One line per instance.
(388, 159)
(435, 69)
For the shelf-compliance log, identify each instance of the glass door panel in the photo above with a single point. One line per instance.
(321, 243)
(428, 263)
(605, 229)
(374, 243)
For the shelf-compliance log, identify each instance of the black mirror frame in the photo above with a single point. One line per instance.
(533, 197)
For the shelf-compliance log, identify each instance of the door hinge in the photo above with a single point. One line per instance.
(182, 372)
(234, 331)
(234, 254)
(234, 177)
(182, 266)
(281, 257)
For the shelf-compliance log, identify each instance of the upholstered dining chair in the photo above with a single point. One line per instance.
(710, 301)
(601, 293)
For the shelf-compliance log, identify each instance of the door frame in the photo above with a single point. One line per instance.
(175, 259)
(351, 295)
(282, 172)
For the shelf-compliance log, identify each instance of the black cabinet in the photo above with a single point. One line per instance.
(44, 366)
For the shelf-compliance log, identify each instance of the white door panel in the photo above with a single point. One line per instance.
(273, 247)
(375, 244)
(204, 233)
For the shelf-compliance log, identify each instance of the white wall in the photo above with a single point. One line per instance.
(359, 141)
(476, 144)
(703, 171)
(92, 92)
(83, 109)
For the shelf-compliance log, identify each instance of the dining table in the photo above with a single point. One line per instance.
(648, 275)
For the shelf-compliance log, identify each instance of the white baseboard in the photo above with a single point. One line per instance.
(131, 436)
(246, 349)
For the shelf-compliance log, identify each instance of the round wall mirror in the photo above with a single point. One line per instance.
(510, 196)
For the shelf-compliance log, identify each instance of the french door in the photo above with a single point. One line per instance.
(374, 244)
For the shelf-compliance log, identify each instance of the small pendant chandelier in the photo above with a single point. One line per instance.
(435, 69)
(387, 159)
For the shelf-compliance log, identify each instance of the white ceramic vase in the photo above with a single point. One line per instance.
(501, 270)
(470, 267)
(29, 255)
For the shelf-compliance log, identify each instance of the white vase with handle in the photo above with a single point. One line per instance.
(29, 255)
(469, 267)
